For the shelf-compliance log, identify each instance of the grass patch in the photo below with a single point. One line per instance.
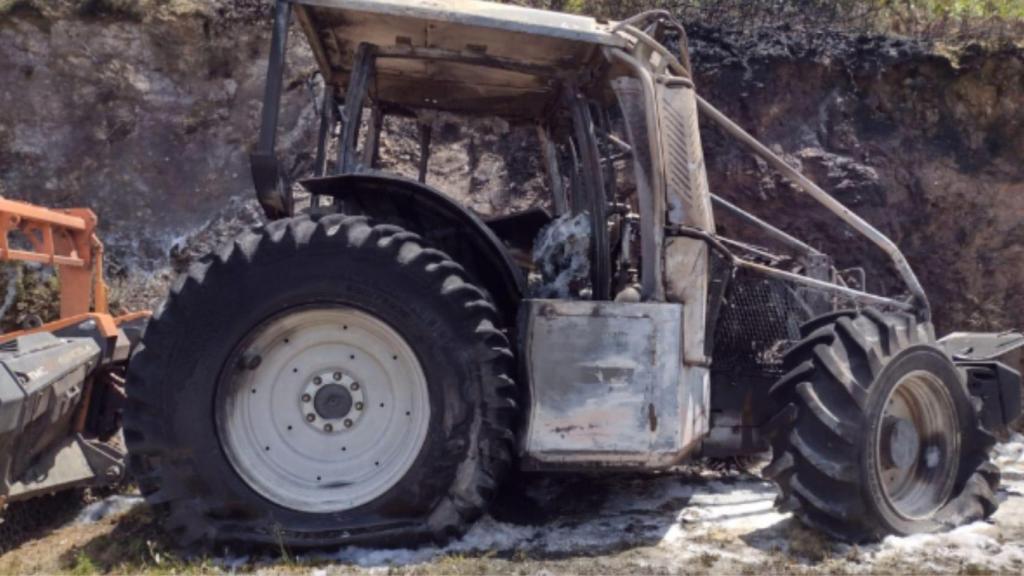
(928, 19)
(83, 565)
(7, 6)
(136, 545)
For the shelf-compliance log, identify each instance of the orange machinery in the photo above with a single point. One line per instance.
(66, 240)
(62, 383)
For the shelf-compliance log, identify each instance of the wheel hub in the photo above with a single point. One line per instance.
(903, 443)
(332, 401)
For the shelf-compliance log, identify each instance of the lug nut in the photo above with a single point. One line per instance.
(328, 428)
(348, 423)
(310, 417)
(359, 405)
(306, 397)
(317, 381)
(337, 376)
(355, 386)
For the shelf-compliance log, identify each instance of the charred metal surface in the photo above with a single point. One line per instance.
(499, 19)
(998, 386)
(687, 258)
(825, 286)
(328, 118)
(352, 114)
(464, 56)
(272, 192)
(689, 200)
(593, 188)
(984, 346)
(426, 135)
(993, 364)
(559, 200)
(636, 101)
(475, 56)
(772, 231)
(519, 232)
(615, 393)
(275, 78)
(371, 151)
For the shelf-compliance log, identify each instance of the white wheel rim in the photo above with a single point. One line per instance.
(920, 489)
(314, 459)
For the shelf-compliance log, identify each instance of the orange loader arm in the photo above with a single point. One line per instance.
(65, 240)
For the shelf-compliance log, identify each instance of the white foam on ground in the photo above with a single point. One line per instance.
(109, 506)
(668, 522)
(976, 544)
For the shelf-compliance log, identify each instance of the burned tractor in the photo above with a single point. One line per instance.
(369, 365)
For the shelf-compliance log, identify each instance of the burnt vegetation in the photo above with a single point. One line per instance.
(995, 20)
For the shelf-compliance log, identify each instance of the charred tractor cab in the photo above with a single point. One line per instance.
(369, 365)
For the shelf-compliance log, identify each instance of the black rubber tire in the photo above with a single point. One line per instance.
(838, 376)
(451, 325)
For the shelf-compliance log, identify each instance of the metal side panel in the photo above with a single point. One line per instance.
(687, 270)
(50, 373)
(64, 465)
(993, 364)
(608, 387)
(686, 179)
(983, 346)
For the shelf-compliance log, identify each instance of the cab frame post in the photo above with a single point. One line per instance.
(272, 189)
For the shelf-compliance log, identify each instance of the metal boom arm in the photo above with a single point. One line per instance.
(836, 207)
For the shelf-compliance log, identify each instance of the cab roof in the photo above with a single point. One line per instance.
(467, 56)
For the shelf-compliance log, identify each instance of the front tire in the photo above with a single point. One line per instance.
(877, 434)
(320, 383)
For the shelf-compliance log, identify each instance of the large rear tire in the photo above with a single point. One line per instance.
(320, 383)
(877, 433)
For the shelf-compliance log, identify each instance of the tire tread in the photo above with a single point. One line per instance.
(173, 491)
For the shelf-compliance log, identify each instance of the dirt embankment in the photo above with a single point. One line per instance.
(926, 144)
(149, 118)
(146, 118)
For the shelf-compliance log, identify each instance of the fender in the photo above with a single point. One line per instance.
(440, 220)
(993, 363)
